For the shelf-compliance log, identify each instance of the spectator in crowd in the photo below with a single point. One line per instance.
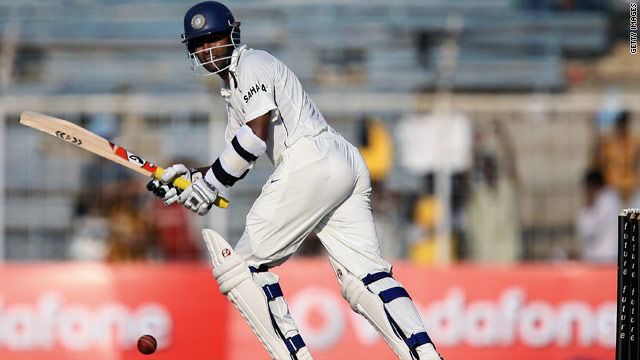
(427, 213)
(618, 155)
(174, 230)
(102, 181)
(493, 215)
(129, 236)
(597, 223)
(108, 222)
(390, 219)
(376, 147)
(89, 238)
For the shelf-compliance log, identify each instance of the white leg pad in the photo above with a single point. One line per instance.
(371, 307)
(428, 352)
(235, 281)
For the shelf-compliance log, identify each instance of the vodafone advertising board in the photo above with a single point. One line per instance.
(93, 311)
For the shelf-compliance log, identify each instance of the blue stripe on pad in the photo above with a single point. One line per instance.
(393, 293)
(272, 291)
(261, 268)
(294, 343)
(417, 339)
(375, 277)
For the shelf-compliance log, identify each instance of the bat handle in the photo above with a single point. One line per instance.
(181, 183)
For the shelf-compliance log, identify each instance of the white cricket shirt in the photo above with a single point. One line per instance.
(258, 83)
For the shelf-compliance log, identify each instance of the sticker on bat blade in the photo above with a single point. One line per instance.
(133, 158)
(72, 139)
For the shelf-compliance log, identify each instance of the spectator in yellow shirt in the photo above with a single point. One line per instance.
(619, 156)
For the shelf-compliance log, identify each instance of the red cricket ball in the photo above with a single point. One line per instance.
(147, 344)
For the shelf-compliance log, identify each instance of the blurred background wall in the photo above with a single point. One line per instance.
(479, 120)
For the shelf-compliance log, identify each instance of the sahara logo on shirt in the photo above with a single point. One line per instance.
(255, 89)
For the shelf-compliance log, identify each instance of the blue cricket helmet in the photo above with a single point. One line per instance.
(205, 18)
(209, 17)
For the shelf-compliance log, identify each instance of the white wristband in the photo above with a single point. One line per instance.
(211, 179)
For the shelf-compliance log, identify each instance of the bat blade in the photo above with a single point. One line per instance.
(81, 137)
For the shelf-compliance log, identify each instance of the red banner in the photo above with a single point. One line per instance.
(92, 311)
(471, 312)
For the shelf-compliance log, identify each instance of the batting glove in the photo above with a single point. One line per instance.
(164, 188)
(199, 197)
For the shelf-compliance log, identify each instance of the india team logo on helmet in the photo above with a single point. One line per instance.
(198, 21)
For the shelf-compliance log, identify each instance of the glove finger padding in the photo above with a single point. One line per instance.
(166, 192)
(157, 188)
(204, 209)
(174, 171)
(153, 185)
(171, 195)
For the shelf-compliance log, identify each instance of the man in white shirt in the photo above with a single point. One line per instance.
(320, 183)
(597, 221)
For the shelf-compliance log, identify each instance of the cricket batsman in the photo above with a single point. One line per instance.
(320, 183)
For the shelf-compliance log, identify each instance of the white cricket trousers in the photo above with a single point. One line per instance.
(322, 184)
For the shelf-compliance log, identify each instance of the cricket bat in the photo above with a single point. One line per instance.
(98, 145)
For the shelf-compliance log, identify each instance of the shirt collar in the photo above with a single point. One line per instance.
(225, 91)
(235, 57)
